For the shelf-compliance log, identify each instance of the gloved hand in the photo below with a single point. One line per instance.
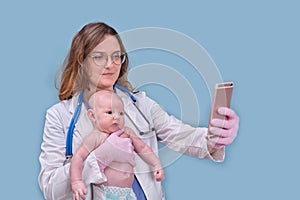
(79, 190)
(115, 149)
(225, 130)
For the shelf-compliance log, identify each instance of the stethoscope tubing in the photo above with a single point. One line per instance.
(69, 151)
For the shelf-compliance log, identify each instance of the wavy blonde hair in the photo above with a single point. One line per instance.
(73, 79)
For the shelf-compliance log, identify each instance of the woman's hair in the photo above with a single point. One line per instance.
(73, 79)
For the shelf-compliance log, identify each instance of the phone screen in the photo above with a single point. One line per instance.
(222, 98)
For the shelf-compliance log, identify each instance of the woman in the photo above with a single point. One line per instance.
(97, 61)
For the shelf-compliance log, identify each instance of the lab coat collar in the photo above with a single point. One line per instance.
(73, 103)
(124, 96)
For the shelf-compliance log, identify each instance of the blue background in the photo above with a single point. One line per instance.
(256, 44)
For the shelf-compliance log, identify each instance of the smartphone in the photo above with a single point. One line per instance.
(222, 98)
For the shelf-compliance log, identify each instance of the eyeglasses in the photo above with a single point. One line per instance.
(101, 58)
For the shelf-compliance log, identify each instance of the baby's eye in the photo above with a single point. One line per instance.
(121, 113)
(109, 112)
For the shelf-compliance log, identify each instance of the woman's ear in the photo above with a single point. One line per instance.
(91, 115)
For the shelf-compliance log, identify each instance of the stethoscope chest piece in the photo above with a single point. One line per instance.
(146, 132)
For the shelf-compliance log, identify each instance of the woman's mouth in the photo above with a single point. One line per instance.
(107, 74)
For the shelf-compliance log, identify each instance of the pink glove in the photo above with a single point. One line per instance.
(225, 130)
(115, 149)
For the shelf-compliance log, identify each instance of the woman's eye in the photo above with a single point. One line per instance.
(98, 57)
(116, 57)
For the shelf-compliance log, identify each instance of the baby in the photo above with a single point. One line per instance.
(106, 111)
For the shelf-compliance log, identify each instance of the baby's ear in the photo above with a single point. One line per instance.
(91, 115)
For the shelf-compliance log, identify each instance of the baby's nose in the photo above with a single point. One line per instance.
(116, 116)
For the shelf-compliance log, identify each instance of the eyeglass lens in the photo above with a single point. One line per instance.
(101, 59)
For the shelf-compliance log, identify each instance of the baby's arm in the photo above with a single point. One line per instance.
(78, 188)
(146, 153)
(92, 141)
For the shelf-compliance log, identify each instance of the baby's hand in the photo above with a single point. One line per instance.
(129, 131)
(159, 173)
(79, 190)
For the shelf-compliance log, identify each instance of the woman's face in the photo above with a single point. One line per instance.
(102, 71)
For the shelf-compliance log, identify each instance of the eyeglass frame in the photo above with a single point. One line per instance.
(111, 57)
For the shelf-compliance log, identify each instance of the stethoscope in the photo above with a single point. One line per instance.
(69, 151)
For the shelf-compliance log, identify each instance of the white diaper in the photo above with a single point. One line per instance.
(113, 193)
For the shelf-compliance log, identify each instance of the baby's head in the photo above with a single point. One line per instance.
(106, 111)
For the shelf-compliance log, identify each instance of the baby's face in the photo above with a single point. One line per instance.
(109, 113)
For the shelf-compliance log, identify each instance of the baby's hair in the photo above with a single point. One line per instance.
(92, 99)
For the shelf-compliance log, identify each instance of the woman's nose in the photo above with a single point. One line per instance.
(109, 62)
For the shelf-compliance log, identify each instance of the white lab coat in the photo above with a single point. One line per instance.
(54, 177)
